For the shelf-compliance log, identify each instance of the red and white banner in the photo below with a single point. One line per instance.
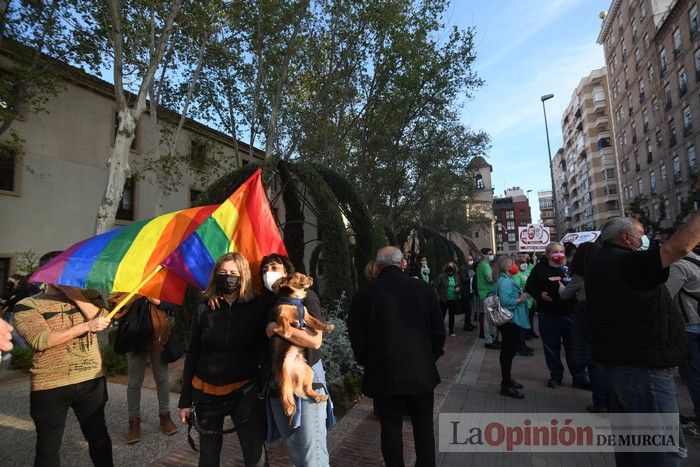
(533, 237)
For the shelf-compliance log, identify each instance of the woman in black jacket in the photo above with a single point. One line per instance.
(221, 368)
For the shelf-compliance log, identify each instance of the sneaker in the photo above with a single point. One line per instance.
(554, 383)
(691, 429)
(492, 346)
(595, 409)
(452, 334)
(512, 392)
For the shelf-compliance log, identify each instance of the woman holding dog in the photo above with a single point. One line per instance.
(221, 371)
(306, 437)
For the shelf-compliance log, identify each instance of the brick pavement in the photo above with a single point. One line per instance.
(470, 382)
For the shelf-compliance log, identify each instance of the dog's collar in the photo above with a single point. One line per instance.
(297, 302)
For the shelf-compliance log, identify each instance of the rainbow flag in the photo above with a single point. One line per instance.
(119, 260)
(243, 223)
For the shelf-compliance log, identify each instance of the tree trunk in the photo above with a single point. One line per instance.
(119, 171)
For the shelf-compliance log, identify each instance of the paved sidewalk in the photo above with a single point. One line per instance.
(470, 381)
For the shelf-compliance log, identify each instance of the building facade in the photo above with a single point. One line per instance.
(480, 207)
(587, 184)
(511, 211)
(652, 51)
(50, 192)
(547, 216)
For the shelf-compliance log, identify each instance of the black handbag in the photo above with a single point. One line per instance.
(173, 348)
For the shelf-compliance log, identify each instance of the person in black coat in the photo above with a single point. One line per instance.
(397, 333)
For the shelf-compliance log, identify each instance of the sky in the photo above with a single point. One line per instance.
(526, 49)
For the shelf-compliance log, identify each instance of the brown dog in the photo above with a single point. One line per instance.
(292, 373)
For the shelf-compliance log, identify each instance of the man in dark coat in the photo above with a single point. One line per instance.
(397, 333)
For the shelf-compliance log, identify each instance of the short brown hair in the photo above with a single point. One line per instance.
(247, 290)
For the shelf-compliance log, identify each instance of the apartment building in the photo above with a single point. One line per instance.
(547, 215)
(511, 211)
(587, 185)
(652, 51)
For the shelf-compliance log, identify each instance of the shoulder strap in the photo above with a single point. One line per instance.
(692, 260)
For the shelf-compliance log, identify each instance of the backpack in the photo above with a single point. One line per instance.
(135, 329)
(688, 294)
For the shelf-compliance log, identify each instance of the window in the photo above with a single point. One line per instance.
(193, 196)
(652, 181)
(642, 10)
(479, 182)
(125, 212)
(609, 174)
(8, 171)
(587, 198)
(650, 73)
(677, 175)
(682, 82)
(640, 187)
(510, 225)
(641, 90)
(667, 96)
(677, 45)
(667, 210)
(692, 159)
(633, 25)
(625, 166)
(662, 59)
(509, 214)
(662, 170)
(655, 211)
(611, 189)
(679, 201)
(659, 138)
(645, 120)
(655, 105)
(511, 237)
(672, 132)
(687, 120)
(649, 152)
(4, 274)
(476, 234)
(693, 18)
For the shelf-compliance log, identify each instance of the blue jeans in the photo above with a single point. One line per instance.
(638, 389)
(306, 444)
(556, 330)
(690, 371)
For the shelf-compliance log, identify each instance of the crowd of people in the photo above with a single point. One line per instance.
(624, 312)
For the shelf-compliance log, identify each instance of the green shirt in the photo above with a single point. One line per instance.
(483, 286)
(451, 285)
(520, 279)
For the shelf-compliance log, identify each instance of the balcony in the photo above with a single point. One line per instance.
(599, 104)
(601, 122)
(603, 143)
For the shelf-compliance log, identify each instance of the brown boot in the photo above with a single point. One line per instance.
(134, 433)
(166, 424)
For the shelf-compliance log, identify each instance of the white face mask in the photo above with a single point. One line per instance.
(523, 266)
(270, 277)
(471, 263)
(645, 243)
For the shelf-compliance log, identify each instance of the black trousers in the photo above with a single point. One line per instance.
(510, 343)
(390, 411)
(247, 411)
(49, 409)
(450, 306)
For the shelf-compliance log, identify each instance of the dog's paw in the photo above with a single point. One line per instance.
(287, 335)
(289, 411)
(330, 328)
(321, 398)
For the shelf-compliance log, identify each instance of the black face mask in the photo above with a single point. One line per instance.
(450, 271)
(227, 283)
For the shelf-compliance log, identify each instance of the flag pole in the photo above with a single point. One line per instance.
(126, 299)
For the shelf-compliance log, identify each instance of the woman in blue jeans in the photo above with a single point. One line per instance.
(305, 437)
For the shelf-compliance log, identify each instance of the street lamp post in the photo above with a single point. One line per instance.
(551, 168)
